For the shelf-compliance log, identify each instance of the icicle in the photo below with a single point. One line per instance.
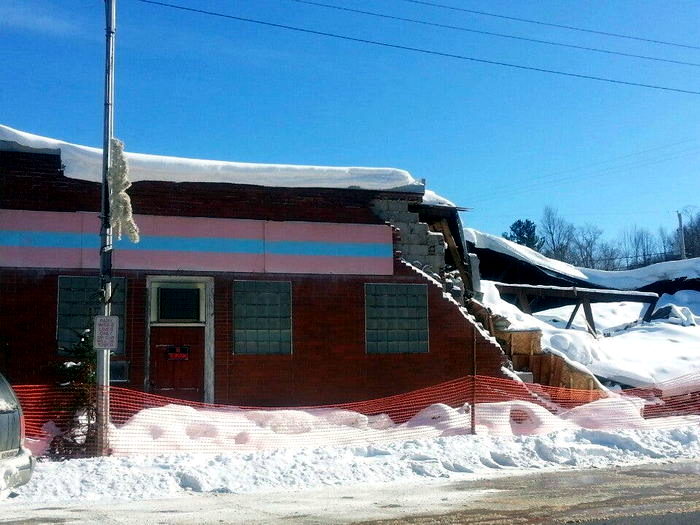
(121, 214)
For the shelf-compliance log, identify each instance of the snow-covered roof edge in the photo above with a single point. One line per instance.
(621, 279)
(85, 163)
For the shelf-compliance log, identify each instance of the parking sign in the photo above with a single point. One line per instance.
(106, 333)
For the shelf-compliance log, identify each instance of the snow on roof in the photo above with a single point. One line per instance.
(83, 162)
(621, 279)
(433, 199)
(523, 253)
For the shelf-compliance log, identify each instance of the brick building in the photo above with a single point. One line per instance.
(252, 284)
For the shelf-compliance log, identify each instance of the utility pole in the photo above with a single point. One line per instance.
(102, 408)
(681, 234)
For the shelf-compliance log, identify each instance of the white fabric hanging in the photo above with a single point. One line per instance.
(122, 219)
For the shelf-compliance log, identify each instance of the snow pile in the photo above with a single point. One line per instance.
(6, 406)
(413, 461)
(623, 279)
(178, 428)
(632, 353)
(82, 162)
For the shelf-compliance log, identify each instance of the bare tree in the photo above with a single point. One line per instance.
(609, 257)
(558, 236)
(668, 243)
(585, 245)
(691, 229)
(640, 247)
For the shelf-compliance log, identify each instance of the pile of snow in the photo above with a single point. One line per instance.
(6, 406)
(414, 461)
(622, 280)
(632, 353)
(82, 162)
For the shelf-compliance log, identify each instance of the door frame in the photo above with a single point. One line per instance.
(208, 327)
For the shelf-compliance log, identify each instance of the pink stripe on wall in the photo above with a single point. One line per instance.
(77, 222)
(328, 264)
(200, 261)
(200, 227)
(193, 227)
(24, 257)
(328, 232)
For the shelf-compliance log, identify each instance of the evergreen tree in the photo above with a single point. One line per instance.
(525, 233)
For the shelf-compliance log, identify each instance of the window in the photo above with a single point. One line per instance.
(79, 302)
(118, 371)
(396, 318)
(177, 302)
(262, 317)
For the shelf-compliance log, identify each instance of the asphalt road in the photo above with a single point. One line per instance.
(659, 493)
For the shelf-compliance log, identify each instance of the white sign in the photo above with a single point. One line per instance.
(106, 333)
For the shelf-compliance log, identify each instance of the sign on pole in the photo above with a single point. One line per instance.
(106, 332)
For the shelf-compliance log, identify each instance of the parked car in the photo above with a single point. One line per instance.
(16, 461)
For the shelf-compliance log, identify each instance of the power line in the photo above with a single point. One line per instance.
(528, 188)
(416, 49)
(489, 33)
(587, 169)
(539, 22)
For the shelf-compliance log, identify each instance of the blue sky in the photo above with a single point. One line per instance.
(504, 142)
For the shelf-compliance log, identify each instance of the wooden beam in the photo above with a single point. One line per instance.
(601, 296)
(573, 314)
(650, 311)
(589, 315)
(524, 303)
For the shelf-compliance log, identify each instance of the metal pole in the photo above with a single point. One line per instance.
(473, 418)
(102, 409)
(681, 234)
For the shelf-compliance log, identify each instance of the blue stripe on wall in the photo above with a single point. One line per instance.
(196, 244)
(338, 249)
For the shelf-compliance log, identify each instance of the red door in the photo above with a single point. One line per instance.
(177, 361)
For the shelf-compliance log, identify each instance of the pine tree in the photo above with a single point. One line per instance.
(525, 233)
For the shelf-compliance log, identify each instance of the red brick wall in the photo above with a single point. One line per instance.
(328, 364)
(31, 181)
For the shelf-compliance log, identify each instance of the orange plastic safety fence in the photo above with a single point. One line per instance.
(62, 419)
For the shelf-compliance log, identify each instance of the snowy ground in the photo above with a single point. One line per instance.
(450, 458)
(586, 436)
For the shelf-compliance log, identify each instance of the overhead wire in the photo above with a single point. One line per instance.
(550, 24)
(554, 176)
(524, 189)
(417, 49)
(490, 33)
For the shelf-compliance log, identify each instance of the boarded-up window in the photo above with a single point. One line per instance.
(79, 302)
(397, 318)
(262, 317)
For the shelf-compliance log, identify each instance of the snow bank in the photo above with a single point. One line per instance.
(82, 162)
(632, 353)
(622, 280)
(410, 461)
(178, 428)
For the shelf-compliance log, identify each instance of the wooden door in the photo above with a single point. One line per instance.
(177, 362)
